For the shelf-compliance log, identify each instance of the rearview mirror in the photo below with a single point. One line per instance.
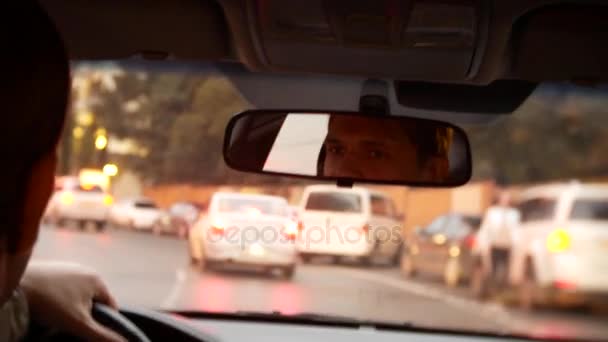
(348, 147)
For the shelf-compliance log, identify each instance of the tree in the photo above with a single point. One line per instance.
(558, 133)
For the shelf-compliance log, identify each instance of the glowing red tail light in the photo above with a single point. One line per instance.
(470, 241)
(564, 285)
(217, 230)
(365, 228)
(218, 227)
(290, 231)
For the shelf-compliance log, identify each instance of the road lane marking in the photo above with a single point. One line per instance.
(176, 289)
(499, 313)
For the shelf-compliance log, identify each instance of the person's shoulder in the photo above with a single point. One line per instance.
(14, 317)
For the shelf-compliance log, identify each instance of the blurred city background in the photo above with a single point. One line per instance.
(154, 136)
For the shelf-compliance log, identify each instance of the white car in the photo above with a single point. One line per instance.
(561, 247)
(247, 230)
(73, 201)
(138, 214)
(348, 222)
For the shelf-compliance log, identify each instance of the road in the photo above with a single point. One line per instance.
(153, 272)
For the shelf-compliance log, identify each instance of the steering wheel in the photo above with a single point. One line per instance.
(118, 323)
(103, 314)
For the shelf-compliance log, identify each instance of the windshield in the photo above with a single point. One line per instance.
(252, 206)
(537, 209)
(382, 206)
(590, 209)
(165, 129)
(334, 201)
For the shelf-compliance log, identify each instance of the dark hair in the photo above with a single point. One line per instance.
(35, 93)
(321, 160)
(430, 140)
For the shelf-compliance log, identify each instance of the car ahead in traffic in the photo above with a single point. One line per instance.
(442, 248)
(178, 219)
(348, 223)
(561, 244)
(136, 214)
(75, 202)
(245, 230)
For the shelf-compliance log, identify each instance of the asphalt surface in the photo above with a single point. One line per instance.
(153, 272)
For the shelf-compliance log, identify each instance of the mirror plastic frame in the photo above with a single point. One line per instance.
(340, 181)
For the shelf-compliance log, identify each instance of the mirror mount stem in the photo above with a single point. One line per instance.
(374, 98)
(344, 183)
(373, 102)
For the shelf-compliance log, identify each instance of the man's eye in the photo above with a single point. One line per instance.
(338, 150)
(376, 154)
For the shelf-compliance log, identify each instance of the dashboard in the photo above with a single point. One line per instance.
(219, 327)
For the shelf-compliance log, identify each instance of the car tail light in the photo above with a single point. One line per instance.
(470, 241)
(558, 241)
(108, 200)
(290, 231)
(365, 228)
(564, 285)
(217, 230)
(67, 198)
(218, 227)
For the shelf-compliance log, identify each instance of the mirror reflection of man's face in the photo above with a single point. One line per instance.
(360, 147)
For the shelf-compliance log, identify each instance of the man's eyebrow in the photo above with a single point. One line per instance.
(373, 143)
(332, 140)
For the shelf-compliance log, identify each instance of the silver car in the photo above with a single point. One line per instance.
(245, 230)
(75, 202)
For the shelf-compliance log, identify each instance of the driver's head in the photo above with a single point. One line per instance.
(34, 98)
(389, 150)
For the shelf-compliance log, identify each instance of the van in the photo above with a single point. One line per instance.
(561, 244)
(348, 222)
(78, 202)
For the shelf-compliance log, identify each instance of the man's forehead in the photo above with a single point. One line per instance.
(363, 126)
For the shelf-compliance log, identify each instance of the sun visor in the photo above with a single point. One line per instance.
(298, 92)
(110, 30)
(560, 43)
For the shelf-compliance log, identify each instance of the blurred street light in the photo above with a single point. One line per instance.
(101, 131)
(101, 142)
(110, 170)
(78, 132)
(85, 118)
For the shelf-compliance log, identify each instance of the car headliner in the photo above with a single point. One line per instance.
(227, 29)
(532, 40)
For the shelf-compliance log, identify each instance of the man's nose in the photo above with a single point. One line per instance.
(352, 167)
